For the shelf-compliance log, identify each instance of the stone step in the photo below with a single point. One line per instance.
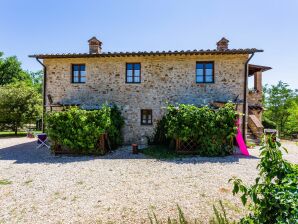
(251, 138)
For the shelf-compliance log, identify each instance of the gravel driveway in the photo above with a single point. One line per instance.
(118, 188)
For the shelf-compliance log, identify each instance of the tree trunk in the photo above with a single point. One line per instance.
(16, 129)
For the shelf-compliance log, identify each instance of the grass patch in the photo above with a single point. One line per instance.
(12, 134)
(250, 145)
(231, 206)
(161, 152)
(5, 182)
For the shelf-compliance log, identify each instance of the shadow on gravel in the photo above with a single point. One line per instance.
(27, 153)
(198, 159)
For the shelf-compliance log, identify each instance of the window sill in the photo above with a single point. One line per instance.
(199, 83)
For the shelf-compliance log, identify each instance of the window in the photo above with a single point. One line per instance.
(205, 72)
(146, 117)
(133, 73)
(78, 74)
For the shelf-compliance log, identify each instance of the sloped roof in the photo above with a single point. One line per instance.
(257, 68)
(146, 53)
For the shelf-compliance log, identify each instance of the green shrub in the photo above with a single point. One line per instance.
(274, 196)
(268, 123)
(79, 130)
(181, 219)
(114, 130)
(160, 137)
(160, 152)
(219, 217)
(212, 130)
(20, 104)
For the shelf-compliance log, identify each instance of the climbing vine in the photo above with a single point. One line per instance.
(212, 130)
(79, 130)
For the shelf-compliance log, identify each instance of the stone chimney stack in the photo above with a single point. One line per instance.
(94, 46)
(223, 44)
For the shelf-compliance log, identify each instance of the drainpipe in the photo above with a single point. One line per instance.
(245, 111)
(43, 93)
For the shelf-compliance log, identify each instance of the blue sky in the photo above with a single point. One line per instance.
(59, 26)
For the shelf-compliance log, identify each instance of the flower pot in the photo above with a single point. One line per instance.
(135, 149)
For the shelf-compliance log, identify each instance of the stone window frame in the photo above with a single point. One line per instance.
(133, 72)
(79, 77)
(148, 120)
(204, 72)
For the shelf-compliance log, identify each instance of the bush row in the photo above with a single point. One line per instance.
(212, 130)
(79, 130)
(267, 123)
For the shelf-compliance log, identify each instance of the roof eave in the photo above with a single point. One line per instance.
(157, 53)
(257, 68)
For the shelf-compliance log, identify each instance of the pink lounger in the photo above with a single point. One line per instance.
(240, 141)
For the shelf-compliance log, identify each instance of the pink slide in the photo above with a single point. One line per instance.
(240, 140)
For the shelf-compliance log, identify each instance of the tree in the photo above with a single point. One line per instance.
(292, 124)
(19, 104)
(36, 80)
(279, 101)
(11, 71)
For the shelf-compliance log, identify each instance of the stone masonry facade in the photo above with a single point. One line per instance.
(164, 79)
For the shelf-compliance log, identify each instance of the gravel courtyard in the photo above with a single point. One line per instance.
(37, 187)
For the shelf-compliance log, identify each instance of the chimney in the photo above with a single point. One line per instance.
(94, 46)
(223, 44)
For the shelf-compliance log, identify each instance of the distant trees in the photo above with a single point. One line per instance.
(292, 124)
(11, 71)
(19, 104)
(281, 105)
(36, 80)
(20, 94)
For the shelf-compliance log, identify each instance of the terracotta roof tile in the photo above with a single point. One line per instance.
(151, 53)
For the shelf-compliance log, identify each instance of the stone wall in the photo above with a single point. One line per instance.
(255, 126)
(163, 79)
(257, 112)
(254, 97)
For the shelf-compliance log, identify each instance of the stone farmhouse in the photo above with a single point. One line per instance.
(142, 83)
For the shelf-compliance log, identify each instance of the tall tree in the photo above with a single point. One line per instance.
(37, 79)
(280, 102)
(292, 124)
(19, 104)
(11, 71)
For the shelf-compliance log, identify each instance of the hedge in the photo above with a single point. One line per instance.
(212, 130)
(267, 123)
(79, 130)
